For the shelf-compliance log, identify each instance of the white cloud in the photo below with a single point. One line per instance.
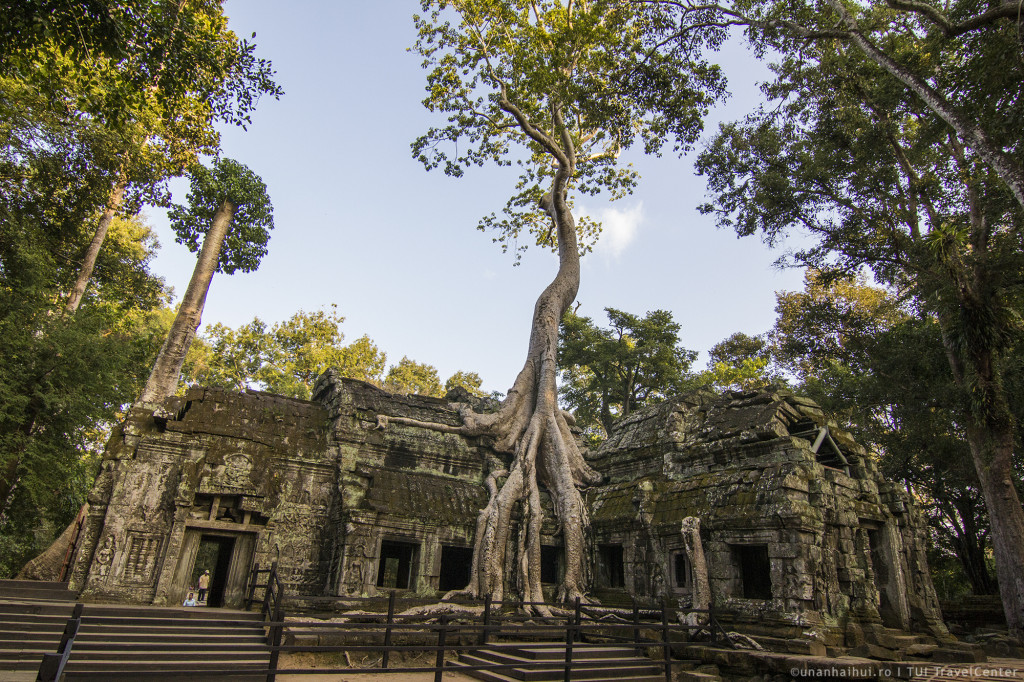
(620, 228)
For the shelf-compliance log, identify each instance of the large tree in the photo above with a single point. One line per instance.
(609, 373)
(877, 179)
(959, 60)
(227, 219)
(63, 381)
(562, 89)
(154, 76)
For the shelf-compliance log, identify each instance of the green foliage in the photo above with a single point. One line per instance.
(411, 377)
(876, 179)
(877, 363)
(285, 359)
(519, 79)
(741, 363)
(608, 373)
(64, 380)
(470, 381)
(155, 75)
(227, 181)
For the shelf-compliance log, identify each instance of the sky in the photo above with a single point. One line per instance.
(360, 224)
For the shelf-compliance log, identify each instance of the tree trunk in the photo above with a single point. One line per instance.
(93, 252)
(992, 450)
(1000, 162)
(163, 380)
(990, 434)
(532, 427)
(699, 583)
(969, 541)
(48, 565)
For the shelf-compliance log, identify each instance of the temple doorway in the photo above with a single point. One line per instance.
(226, 555)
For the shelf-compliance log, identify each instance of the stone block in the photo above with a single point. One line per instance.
(879, 653)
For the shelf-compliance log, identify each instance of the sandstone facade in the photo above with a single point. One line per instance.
(801, 534)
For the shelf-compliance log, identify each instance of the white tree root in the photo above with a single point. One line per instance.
(544, 454)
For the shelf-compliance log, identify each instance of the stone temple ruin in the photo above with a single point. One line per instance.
(802, 536)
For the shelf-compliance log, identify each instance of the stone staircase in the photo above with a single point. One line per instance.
(591, 663)
(122, 642)
(138, 642)
(32, 619)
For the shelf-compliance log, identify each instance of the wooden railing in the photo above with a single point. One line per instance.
(373, 623)
(52, 665)
(69, 554)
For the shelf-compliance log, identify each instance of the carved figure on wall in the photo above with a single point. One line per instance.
(698, 570)
(105, 556)
(238, 470)
(354, 572)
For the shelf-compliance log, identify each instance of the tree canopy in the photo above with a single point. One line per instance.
(560, 89)
(609, 373)
(880, 180)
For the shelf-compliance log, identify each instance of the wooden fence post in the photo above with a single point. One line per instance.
(250, 596)
(441, 637)
(636, 623)
(579, 621)
(569, 637)
(667, 646)
(487, 620)
(387, 630)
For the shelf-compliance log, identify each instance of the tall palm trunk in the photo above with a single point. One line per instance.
(163, 380)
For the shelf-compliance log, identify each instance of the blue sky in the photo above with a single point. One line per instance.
(360, 224)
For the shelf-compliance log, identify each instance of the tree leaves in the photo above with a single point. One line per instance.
(608, 373)
(524, 83)
(228, 180)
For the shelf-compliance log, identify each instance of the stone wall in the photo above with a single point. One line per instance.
(801, 534)
(842, 548)
(252, 470)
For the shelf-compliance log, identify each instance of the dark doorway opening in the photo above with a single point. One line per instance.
(755, 571)
(456, 564)
(397, 559)
(549, 557)
(680, 570)
(213, 555)
(610, 566)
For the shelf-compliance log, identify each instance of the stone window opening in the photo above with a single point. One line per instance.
(396, 570)
(824, 447)
(610, 566)
(550, 564)
(754, 571)
(456, 565)
(680, 571)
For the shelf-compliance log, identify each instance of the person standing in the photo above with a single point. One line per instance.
(204, 585)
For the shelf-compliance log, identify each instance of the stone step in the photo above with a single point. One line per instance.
(146, 653)
(11, 608)
(170, 638)
(169, 624)
(552, 676)
(171, 612)
(189, 671)
(586, 651)
(35, 590)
